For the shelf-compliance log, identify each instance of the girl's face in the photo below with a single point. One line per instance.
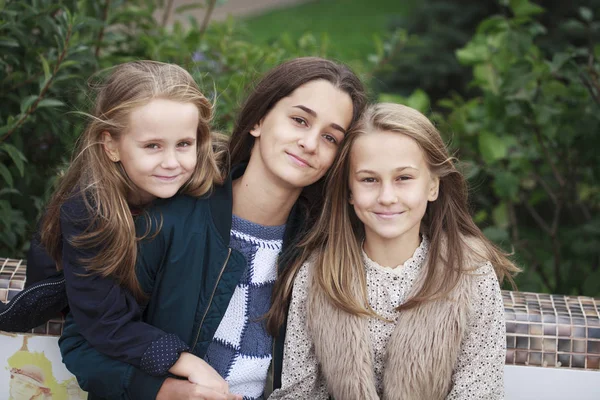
(298, 139)
(390, 185)
(158, 149)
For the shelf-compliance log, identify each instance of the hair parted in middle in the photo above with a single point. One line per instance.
(104, 185)
(334, 244)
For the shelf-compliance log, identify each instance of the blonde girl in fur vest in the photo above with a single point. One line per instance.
(397, 294)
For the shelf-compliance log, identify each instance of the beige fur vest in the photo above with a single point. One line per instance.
(421, 353)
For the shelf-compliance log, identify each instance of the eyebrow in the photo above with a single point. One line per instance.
(368, 171)
(160, 140)
(314, 114)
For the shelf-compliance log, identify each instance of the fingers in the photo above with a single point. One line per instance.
(205, 393)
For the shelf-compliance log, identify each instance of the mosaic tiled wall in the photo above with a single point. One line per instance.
(541, 329)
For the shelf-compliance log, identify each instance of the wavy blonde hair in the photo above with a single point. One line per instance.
(334, 244)
(104, 185)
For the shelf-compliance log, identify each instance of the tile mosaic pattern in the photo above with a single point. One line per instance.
(541, 329)
(552, 330)
(12, 281)
(12, 278)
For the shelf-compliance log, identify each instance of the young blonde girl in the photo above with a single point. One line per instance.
(148, 137)
(397, 292)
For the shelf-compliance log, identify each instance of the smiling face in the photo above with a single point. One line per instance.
(297, 141)
(390, 185)
(158, 148)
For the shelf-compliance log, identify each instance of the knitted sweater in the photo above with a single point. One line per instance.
(241, 350)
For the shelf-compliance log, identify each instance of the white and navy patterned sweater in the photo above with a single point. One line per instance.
(241, 350)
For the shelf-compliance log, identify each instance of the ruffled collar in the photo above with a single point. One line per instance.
(413, 263)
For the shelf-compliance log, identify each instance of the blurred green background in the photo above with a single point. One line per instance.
(513, 85)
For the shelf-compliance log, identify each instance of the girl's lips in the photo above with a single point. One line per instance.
(167, 178)
(387, 214)
(298, 161)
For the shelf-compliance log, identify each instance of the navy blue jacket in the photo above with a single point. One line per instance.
(190, 273)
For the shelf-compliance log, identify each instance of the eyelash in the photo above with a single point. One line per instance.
(302, 121)
(156, 146)
(373, 180)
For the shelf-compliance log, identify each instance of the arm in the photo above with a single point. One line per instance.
(479, 372)
(300, 375)
(108, 316)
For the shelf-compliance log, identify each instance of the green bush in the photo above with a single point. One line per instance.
(531, 141)
(49, 49)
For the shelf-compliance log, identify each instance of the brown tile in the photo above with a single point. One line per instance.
(536, 329)
(511, 342)
(549, 359)
(564, 360)
(579, 332)
(55, 328)
(578, 361)
(549, 330)
(593, 346)
(522, 329)
(521, 357)
(535, 358)
(549, 344)
(593, 362)
(564, 330)
(522, 342)
(564, 345)
(511, 327)
(510, 356)
(4, 295)
(535, 343)
(579, 321)
(579, 346)
(509, 315)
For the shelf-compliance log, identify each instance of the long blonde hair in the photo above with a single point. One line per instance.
(103, 185)
(334, 243)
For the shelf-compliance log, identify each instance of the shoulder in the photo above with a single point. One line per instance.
(178, 210)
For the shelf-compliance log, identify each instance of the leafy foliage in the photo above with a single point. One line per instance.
(530, 139)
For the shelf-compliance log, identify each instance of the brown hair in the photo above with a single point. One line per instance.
(276, 84)
(103, 185)
(335, 241)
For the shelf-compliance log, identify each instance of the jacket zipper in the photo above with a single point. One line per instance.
(211, 299)
(23, 293)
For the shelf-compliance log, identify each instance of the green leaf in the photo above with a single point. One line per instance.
(500, 215)
(586, 14)
(50, 103)
(419, 100)
(46, 68)
(27, 102)
(8, 42)
(5, 173)
(492, 147)
(6, 191)
(506, 185)
(15, 155)
(524, 8)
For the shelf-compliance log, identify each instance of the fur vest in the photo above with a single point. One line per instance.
(421, 353)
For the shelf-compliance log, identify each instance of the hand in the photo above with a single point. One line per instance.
(175, 389)
(205, 375)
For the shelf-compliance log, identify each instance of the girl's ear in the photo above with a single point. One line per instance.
(434, 188)
(255, 131)
(110, 146)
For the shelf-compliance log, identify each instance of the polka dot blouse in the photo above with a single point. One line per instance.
(478, 373)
